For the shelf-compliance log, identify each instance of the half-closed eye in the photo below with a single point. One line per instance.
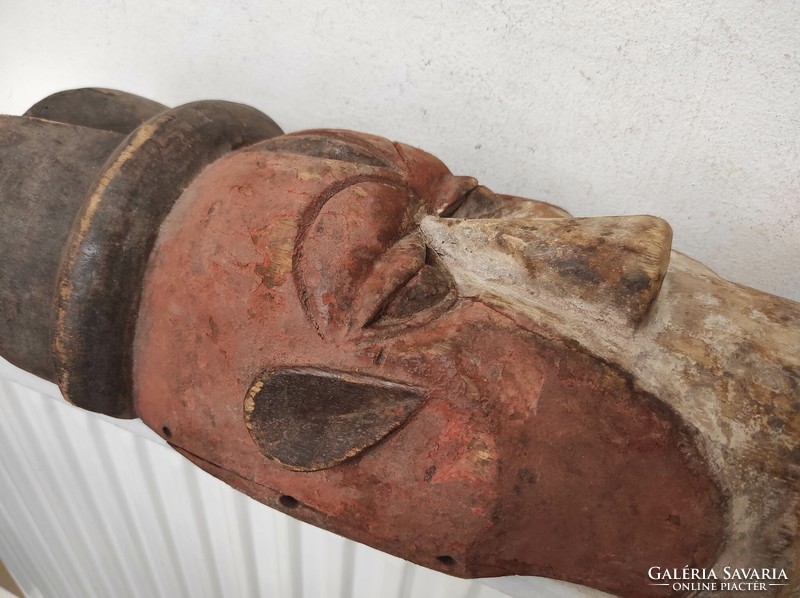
(406, 280)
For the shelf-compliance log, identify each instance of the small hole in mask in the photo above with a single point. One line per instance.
(290, 502)
(446, 560)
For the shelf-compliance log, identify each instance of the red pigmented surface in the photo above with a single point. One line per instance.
(527, 458)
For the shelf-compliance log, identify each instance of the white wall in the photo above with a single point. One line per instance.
(686, 110)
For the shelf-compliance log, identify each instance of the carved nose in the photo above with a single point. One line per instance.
(605, 265)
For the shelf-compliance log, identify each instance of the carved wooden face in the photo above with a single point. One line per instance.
(300, 338)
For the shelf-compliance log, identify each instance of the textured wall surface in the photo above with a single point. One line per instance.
(689, 111)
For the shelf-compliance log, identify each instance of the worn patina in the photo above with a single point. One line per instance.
(340, 327)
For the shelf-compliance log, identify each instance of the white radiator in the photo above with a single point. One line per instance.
(93, 506)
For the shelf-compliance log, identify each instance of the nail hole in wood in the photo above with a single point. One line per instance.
(290, 502)
(446, 560)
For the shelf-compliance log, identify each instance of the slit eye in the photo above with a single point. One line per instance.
(408, 279)
(428, 287)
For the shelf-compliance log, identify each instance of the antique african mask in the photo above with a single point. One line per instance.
(336, 325)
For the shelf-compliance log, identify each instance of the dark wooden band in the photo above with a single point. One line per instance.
(99, 282)
(97, 108)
